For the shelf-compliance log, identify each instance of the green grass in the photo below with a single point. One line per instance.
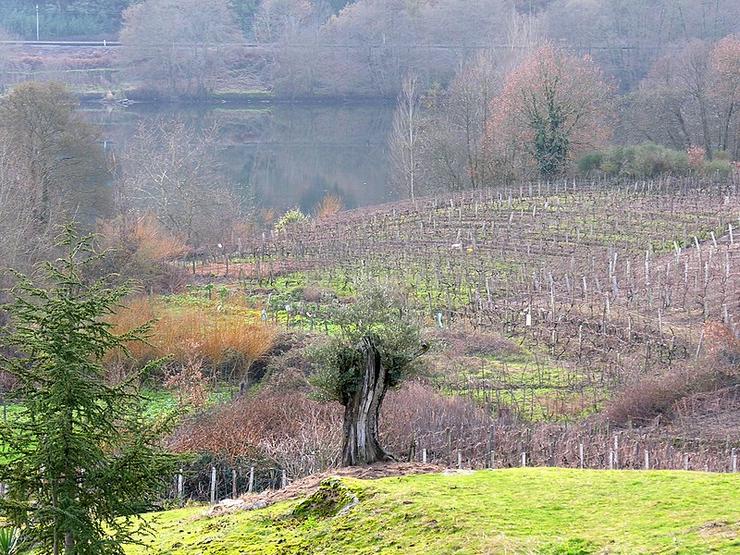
(160, 402)
(554, 511)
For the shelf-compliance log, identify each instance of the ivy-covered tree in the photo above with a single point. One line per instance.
(79, 458)
(375, 348)
(553, 107)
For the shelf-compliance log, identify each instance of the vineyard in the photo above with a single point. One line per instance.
(543, 301)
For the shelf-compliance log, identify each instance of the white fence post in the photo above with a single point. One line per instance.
(180, 485)
(616, 451)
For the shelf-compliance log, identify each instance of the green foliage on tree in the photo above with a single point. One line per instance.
(79, 458)
(380, 315)
(293, 216)
(244, 11)
(62, 18)
(56, 153)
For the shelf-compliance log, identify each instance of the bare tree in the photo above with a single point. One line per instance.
(177, 48)
(171, 171)
(689, 98)
(725, 92)
(21, 240)
(276, 19)
(58, 154)
(469, 104)
(641, 26)
(404, 140)
(552, 107)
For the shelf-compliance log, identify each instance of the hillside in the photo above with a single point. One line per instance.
(542, 510)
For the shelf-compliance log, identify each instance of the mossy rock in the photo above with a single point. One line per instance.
(332, 498)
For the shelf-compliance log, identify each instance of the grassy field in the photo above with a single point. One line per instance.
(553, 511)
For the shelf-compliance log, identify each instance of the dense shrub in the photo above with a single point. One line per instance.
(649, 160)
(298, 433)
(418, 410)
(303, 435)
(590, 164)
(220, 338)
(717, 168)
(652, 396)
(140, 248)
(294, 216)
(636, 161)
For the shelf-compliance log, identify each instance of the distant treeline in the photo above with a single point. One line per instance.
(62, 18)
(59, 19)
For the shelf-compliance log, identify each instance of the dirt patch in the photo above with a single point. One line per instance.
(719, 529)
(309, 486)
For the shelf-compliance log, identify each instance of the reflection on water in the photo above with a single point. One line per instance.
(282, 155)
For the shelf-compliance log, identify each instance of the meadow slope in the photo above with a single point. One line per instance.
(537, 510)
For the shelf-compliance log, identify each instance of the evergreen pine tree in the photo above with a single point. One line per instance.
(78, 458)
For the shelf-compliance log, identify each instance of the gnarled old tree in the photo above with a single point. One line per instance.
(376, 349)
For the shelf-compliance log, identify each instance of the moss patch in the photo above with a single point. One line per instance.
(332, 498)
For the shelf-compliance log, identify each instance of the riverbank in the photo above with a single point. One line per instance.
(127, 96)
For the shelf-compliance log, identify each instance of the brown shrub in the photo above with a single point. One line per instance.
(227, 342)
(313, 293)
(302, 435)
(646, 399)
(140, 248)
(416, 409)
(652, 396)
(188, 381)
(721, 345)
(476, 343)
(329, 206)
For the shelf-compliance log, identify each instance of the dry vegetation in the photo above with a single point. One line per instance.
(226, 340)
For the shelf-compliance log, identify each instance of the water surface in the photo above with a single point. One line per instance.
(280, 155)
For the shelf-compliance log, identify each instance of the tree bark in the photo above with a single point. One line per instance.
(361, 412)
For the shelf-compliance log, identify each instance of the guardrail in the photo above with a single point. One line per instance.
(104, 43)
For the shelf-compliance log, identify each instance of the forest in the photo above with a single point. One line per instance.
(524, 337)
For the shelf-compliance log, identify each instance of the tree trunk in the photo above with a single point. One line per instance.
(69, 543)
(361, 411)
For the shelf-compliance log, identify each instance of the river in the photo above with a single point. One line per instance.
(280, 155)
